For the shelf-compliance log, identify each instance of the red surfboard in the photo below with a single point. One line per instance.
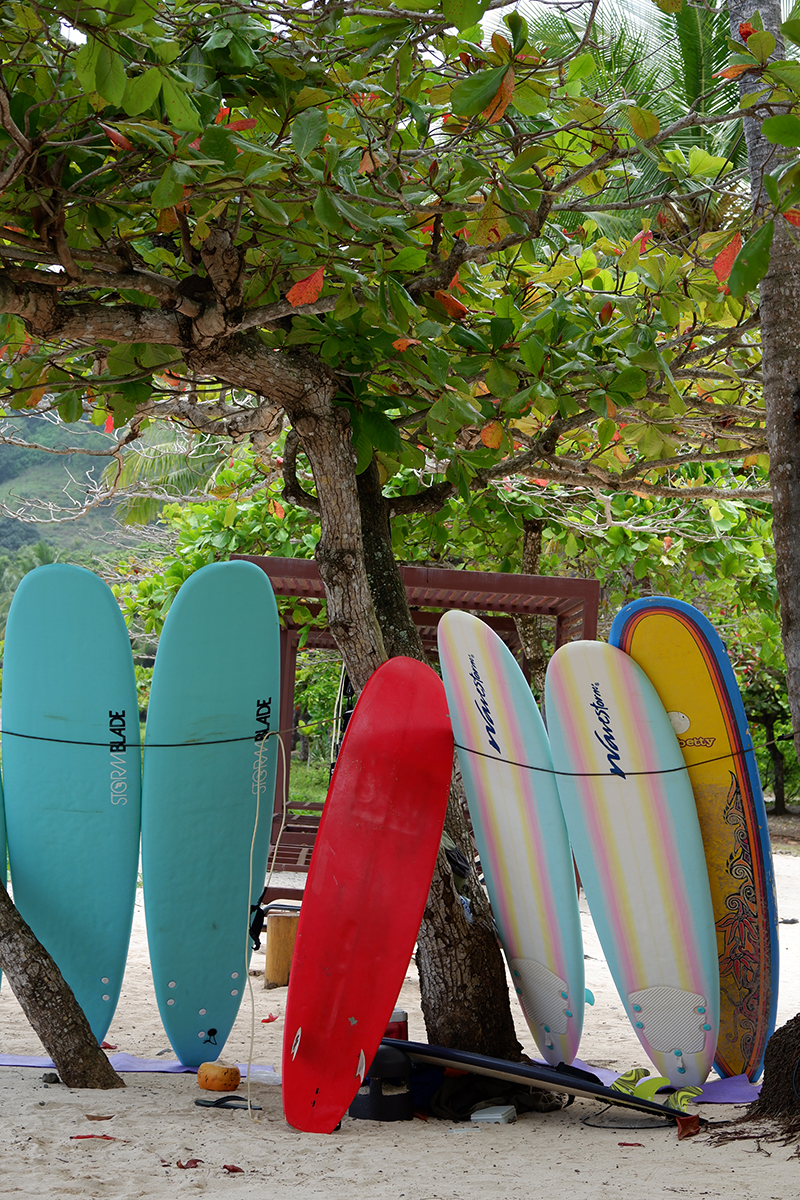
(366, 890)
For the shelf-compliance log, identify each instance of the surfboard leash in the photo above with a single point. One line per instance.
(601, 774)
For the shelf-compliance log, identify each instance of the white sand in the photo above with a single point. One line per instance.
(156, 1123)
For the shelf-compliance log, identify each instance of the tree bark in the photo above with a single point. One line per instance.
(50, 1005)
(780, 342)
(530, 628)
(778, 768)
(464, 992)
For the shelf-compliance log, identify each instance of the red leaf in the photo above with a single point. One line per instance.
(190, 1162)
(457, 286)
(746, 30)
(540, 482)
(723, 263)
(688, 1126)
(221, 115)
(109, 428)
(307, 290)
(106, 1045)
(245, 123)
(404, 343)
(116, 138)
(606, 312)
(453, 307)
(271, 1017)
(792, 215)
(232, 1170)
(631, 1144)
(101, 1137)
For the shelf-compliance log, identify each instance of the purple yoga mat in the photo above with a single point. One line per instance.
(121, 1062)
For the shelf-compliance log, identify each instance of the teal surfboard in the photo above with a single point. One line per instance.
(207, 794)
(72, 770)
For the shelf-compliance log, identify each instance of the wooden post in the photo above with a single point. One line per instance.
(281, 934)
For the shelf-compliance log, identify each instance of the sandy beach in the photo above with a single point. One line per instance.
(154, 1124)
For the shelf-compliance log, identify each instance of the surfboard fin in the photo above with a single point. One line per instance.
(678, 1100)
(648, 1087)
(628, 1081)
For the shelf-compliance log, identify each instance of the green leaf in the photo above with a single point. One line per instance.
(268, 209)
(785, 72)
(761, 44)
(168, 191)
(356, 216)
(410, 258)
(308, 130)
(240, 54)
(180, 111)
(791, 30)
(501, 380)
(474, 94)
(783, 130)
(631, 381)
(469, 339)
(501, 329)
(70, 407)
(752, 261)
(462, 13)
(326, 211)
(216, 142)
(581, 67)
(381, 432)
(645, 124)
(519, 30)
(110, 77)
(142, 92)
(528, 101)
(702, 163)
(771, 188)
(86, 65)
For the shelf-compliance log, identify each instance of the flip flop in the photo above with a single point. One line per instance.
(226, 1102)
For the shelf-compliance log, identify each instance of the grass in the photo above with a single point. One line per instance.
(308, 784)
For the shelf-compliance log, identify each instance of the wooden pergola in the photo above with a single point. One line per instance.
(498, 598)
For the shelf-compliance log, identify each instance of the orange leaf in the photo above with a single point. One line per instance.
(494, 111)
(404, 343)
(611, 407)
(481, 389)
(167, 221)
(792, 215)
(492, 435)
(723, 263)
(368, 163)
(276, 509)
(453, 307)
(540, 482)
(746, 30)
(307, 290)
(733, 72)
(500, 45)
(751, 460)
(245, 123)
(457, 286)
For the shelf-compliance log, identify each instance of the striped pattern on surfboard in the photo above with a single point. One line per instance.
(505, 762)
(636, 839)
(685, 659)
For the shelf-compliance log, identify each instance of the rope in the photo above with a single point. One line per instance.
(599, 774)
(35, 737)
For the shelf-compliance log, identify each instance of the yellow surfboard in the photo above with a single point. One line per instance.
(686, 661)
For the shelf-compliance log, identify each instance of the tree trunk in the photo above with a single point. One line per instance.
(779, 1092)
(465, 998)
(50, 1005)
(778, 766)
(324, 432)
(780, 342)
(530, 628)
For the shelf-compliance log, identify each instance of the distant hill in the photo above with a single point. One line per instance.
(28, 473)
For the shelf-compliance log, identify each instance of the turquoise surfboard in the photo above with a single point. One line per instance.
(207, 794)
(72, 770)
